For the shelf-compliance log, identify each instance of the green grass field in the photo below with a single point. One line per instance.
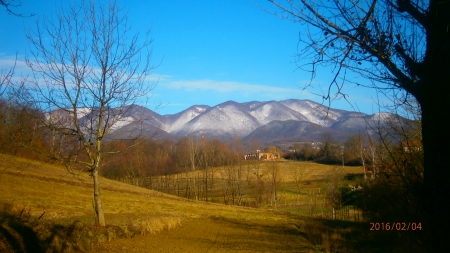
(44, 207)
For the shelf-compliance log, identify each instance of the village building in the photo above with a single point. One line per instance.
(411, 146)
(260, 156)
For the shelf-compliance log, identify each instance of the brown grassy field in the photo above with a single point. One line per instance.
(133, 213)
(43, 208)
(300, 186)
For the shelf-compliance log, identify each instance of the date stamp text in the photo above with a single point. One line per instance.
(395, 226)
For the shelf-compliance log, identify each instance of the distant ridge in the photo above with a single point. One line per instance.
(269, 121)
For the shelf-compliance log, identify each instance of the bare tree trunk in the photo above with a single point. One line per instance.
(435, 133)
(188, 184)
(238, 183)
(180, 184)
(372, 155)
(211, 185)
(436, 160)
(194, 185)
(361, 153)
(297, 179)
(225, 190)
(98, 208)
(273, 171)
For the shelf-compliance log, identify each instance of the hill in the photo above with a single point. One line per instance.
(140, 217)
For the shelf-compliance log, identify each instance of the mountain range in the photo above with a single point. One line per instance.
(271, 122)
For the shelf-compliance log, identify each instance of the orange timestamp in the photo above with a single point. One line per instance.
(395, 226)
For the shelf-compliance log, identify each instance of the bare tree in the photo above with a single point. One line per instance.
(274, 179)
(8, 5)
(5, 79)
(194, 151)
(88, 70)
(397, 46)
(361, 154)
(299, 177)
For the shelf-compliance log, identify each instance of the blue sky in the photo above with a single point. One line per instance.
(208, 52)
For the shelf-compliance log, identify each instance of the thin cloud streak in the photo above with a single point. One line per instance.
(227, 87)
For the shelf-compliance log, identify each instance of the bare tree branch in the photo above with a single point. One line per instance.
(10, 4)
(399, 47)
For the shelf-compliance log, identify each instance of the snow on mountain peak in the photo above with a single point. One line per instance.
(231, 118)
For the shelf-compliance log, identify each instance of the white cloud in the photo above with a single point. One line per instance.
(227, 87)
(157, 77)
(10, 62)
(21, 70)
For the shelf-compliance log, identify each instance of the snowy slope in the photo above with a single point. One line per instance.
(270, 111)
(225, 119)
(314, 112)
(355, 122)
(176, 122)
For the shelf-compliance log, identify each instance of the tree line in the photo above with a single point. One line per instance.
(149, 157)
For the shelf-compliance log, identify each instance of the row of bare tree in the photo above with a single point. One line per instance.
(192, 167)
(19, 128)
(149, 157)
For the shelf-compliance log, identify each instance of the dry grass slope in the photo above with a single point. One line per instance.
(55, 208)
(43, 208)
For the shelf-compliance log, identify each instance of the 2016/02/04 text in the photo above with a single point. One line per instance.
(397, 226)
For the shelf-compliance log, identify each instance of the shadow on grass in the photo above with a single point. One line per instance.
(270, 235)
(268, 226)
(17, 234)
(347, 236)
(22, 232)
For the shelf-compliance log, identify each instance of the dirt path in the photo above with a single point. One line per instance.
(217, 235)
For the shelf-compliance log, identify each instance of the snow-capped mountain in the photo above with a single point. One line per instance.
(314, 112)
(176, 122)
(290, 131)
(223, 120)
(270, 111)
(288, 119)
(232, 118)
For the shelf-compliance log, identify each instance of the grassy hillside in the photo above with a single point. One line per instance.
(30, 189)
(43, 208)
(43, 187)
